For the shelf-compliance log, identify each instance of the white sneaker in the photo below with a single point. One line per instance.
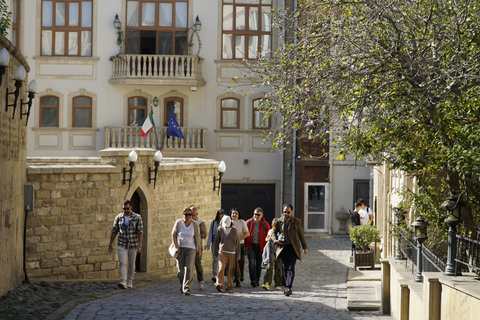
(202, 285)
(129, 284)
(122, 285)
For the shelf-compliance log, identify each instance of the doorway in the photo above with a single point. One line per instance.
(246, 197)
(361, 190)
(317, 207)
(141, 259)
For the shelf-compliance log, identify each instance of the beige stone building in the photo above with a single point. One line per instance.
(13, 158)
(77, 201)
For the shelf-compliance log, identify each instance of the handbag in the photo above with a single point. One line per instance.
(172, 250)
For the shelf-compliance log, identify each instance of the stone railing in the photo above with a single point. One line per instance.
(130, 137)
(158, 67)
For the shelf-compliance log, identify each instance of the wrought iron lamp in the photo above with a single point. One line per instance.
(156, 158)
(19, 77)
(197, 25)
(32, 89)
(155, 101)
(420, 235)
(116, 22)
(132, 158)
(453, 206)
(4, 61)
(221, 170)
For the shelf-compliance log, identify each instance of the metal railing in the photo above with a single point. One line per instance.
(468, 252)
(156, 66)
(157, 138)
(408, 246)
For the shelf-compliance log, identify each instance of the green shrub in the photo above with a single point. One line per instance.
(5, 17)
(362, 236)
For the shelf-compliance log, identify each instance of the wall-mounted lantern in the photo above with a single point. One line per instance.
(156, 159)
(221, 170)
(132, 158)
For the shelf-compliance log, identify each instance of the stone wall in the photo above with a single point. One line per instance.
(76, 202)
(12, 176)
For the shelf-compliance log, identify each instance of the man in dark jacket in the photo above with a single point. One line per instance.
(255, 242)
(290, 229)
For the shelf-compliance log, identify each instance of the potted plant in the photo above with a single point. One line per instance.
(362, 237)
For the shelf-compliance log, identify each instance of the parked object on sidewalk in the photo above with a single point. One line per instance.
(362, 236)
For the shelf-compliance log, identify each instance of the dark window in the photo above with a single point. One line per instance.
(49, 111)
(157, 27)
(82, 112)
(177, 103)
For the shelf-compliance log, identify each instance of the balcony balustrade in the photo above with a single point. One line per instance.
(157, 70)
(194, 144)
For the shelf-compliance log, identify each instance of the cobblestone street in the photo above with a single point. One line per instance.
(319, 292)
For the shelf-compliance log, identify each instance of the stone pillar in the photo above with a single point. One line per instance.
(385, 301)
(404, 301)
(432, 296)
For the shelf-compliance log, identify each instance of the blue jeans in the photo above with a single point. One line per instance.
(255, 262)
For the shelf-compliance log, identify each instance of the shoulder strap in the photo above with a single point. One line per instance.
(249, 223)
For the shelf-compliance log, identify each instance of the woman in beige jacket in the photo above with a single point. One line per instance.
(186, 238)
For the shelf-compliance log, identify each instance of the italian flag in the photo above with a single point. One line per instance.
(148, 124)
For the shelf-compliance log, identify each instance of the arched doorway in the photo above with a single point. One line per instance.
(140, 207)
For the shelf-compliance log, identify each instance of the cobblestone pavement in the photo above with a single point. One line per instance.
(319, 292)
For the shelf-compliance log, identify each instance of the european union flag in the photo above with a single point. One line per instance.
(173, 127)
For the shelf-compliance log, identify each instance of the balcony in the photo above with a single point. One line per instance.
(144, 69)
(194, 144)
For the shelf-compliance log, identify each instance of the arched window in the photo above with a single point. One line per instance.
(137, 111)
(259, 120)
(49, 111)
(177, 103)
(230, 115)
(82, 112)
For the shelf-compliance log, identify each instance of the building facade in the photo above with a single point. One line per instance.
(103, 66)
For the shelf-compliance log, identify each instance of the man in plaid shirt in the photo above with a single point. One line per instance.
(130, 226)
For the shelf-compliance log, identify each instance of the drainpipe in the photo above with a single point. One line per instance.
(330, 179)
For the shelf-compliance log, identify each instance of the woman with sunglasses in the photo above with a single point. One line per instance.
(186, 238)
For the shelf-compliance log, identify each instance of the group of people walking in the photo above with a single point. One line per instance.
(275, 247)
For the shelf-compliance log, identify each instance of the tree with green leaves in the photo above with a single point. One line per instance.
(394, 80)
(5, 18)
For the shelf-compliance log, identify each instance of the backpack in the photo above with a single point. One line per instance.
(355, 218)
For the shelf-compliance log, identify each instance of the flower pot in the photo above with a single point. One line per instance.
(363, 259)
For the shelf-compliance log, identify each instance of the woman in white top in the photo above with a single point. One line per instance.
(242, 232)
(186, 238)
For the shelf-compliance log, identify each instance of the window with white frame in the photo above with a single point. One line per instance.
(246, 29)
(66, 28)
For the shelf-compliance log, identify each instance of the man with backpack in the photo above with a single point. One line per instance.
(255, 242)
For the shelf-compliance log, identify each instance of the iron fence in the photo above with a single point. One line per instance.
(408, 247)
(468, 252)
